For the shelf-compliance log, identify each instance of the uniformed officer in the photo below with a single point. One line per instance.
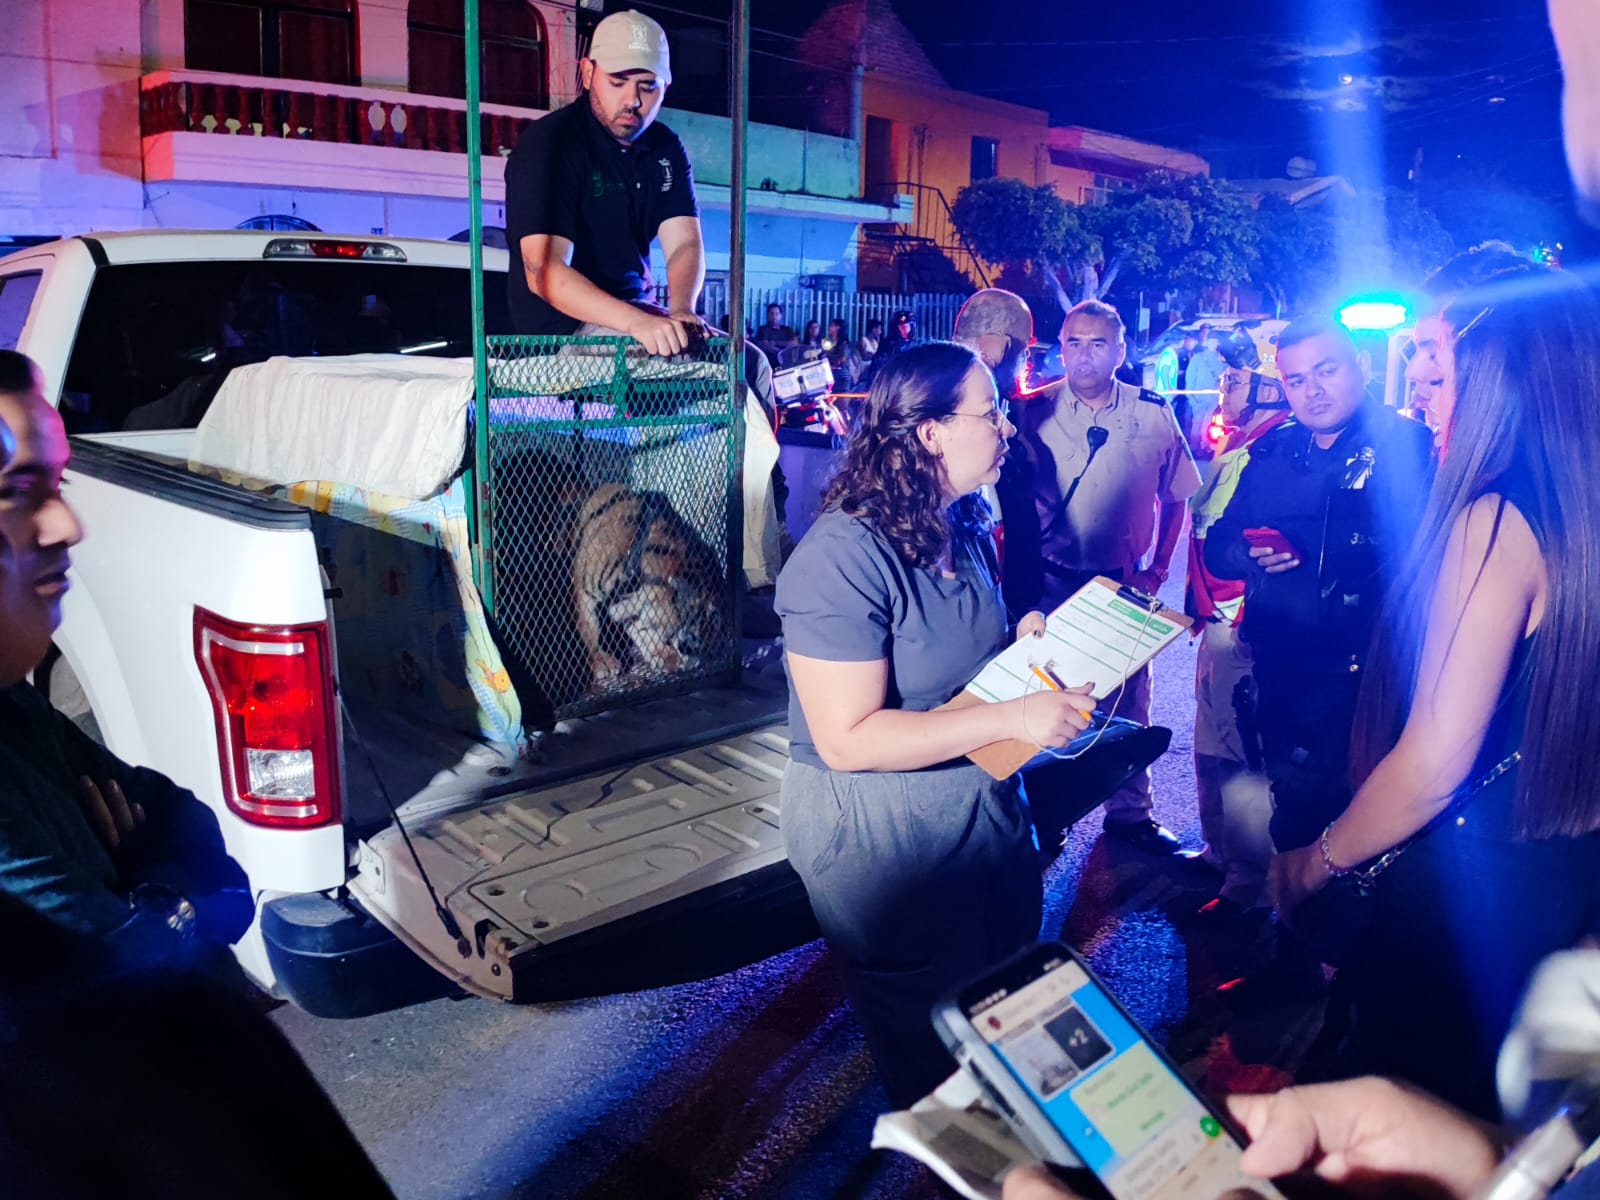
(1111, 472)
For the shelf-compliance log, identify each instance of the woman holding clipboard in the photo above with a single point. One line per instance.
(920, 867)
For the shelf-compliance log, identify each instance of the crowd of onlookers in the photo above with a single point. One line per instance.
(851, 358)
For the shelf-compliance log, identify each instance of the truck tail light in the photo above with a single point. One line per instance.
(271, 690)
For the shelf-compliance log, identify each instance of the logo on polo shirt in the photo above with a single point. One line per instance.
(597, 184)
(666, 174)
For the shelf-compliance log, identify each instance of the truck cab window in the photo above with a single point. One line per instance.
(158, 339)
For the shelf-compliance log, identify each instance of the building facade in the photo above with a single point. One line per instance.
(921, 137)
(348, 115)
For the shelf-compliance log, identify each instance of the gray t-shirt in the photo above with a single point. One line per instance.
(846, 596)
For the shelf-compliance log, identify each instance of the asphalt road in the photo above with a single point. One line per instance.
(756, 1083)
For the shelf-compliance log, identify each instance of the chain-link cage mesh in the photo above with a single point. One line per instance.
(607, 517)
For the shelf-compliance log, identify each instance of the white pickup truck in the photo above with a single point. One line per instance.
(200, 638)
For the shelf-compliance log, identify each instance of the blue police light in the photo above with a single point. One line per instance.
(1374, 314)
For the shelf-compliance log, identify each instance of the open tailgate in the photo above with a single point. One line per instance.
(557, 861)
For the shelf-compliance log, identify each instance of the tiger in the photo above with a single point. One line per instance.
(649, 594)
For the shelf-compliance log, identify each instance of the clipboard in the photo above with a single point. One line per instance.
(1104, 632)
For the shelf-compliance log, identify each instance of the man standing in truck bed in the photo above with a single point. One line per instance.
(588, 188)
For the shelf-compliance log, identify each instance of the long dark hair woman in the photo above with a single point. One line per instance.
(1474, 749)
(919, 866)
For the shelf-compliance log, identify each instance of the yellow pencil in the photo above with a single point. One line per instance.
(1050, 682)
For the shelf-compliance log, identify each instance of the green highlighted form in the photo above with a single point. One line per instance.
(1157, 625)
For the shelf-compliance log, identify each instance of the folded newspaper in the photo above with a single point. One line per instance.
(955, 1131)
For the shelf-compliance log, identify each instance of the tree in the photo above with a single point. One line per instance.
(1222, 248)
(1011, 224)
(1416, 240)
(1295, 247)
(1310, 258)
(1172, 231)
(1141, 237)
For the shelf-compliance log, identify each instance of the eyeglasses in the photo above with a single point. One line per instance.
(996, 417)
(1233, 379)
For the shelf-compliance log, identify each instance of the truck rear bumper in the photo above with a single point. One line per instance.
(332, 959)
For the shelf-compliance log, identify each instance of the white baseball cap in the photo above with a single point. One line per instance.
(631, 41)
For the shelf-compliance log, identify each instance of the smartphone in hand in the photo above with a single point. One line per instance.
(1270, 539)
(1080, 1082)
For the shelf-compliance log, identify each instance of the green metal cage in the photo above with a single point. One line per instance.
(608, 519)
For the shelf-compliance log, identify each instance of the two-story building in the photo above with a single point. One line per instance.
(921, 137)
(349, 115)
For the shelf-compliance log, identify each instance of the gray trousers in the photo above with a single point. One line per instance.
(919, 880)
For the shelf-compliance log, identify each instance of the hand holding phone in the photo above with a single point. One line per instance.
(1271, 550)
(1270, 539)
(1079, 1081)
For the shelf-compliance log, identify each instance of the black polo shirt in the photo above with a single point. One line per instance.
(569, 178)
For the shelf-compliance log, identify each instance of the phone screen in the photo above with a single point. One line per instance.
(1122, 1108)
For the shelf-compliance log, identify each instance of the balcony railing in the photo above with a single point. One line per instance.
(925, 249)
(282, 109)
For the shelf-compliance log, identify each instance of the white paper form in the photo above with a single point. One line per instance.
(1096, 637)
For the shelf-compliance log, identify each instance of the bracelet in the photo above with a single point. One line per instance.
(1334, 871)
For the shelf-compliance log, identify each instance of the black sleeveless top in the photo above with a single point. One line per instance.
(1463, 918)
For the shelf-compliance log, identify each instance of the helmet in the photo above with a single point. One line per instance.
(1243, 352)
(1250, 350)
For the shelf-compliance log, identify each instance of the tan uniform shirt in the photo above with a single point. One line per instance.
(1144, 463)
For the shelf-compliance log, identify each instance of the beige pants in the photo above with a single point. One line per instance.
(1235, 803)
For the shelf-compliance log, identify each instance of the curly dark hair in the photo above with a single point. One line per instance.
(888, 478)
